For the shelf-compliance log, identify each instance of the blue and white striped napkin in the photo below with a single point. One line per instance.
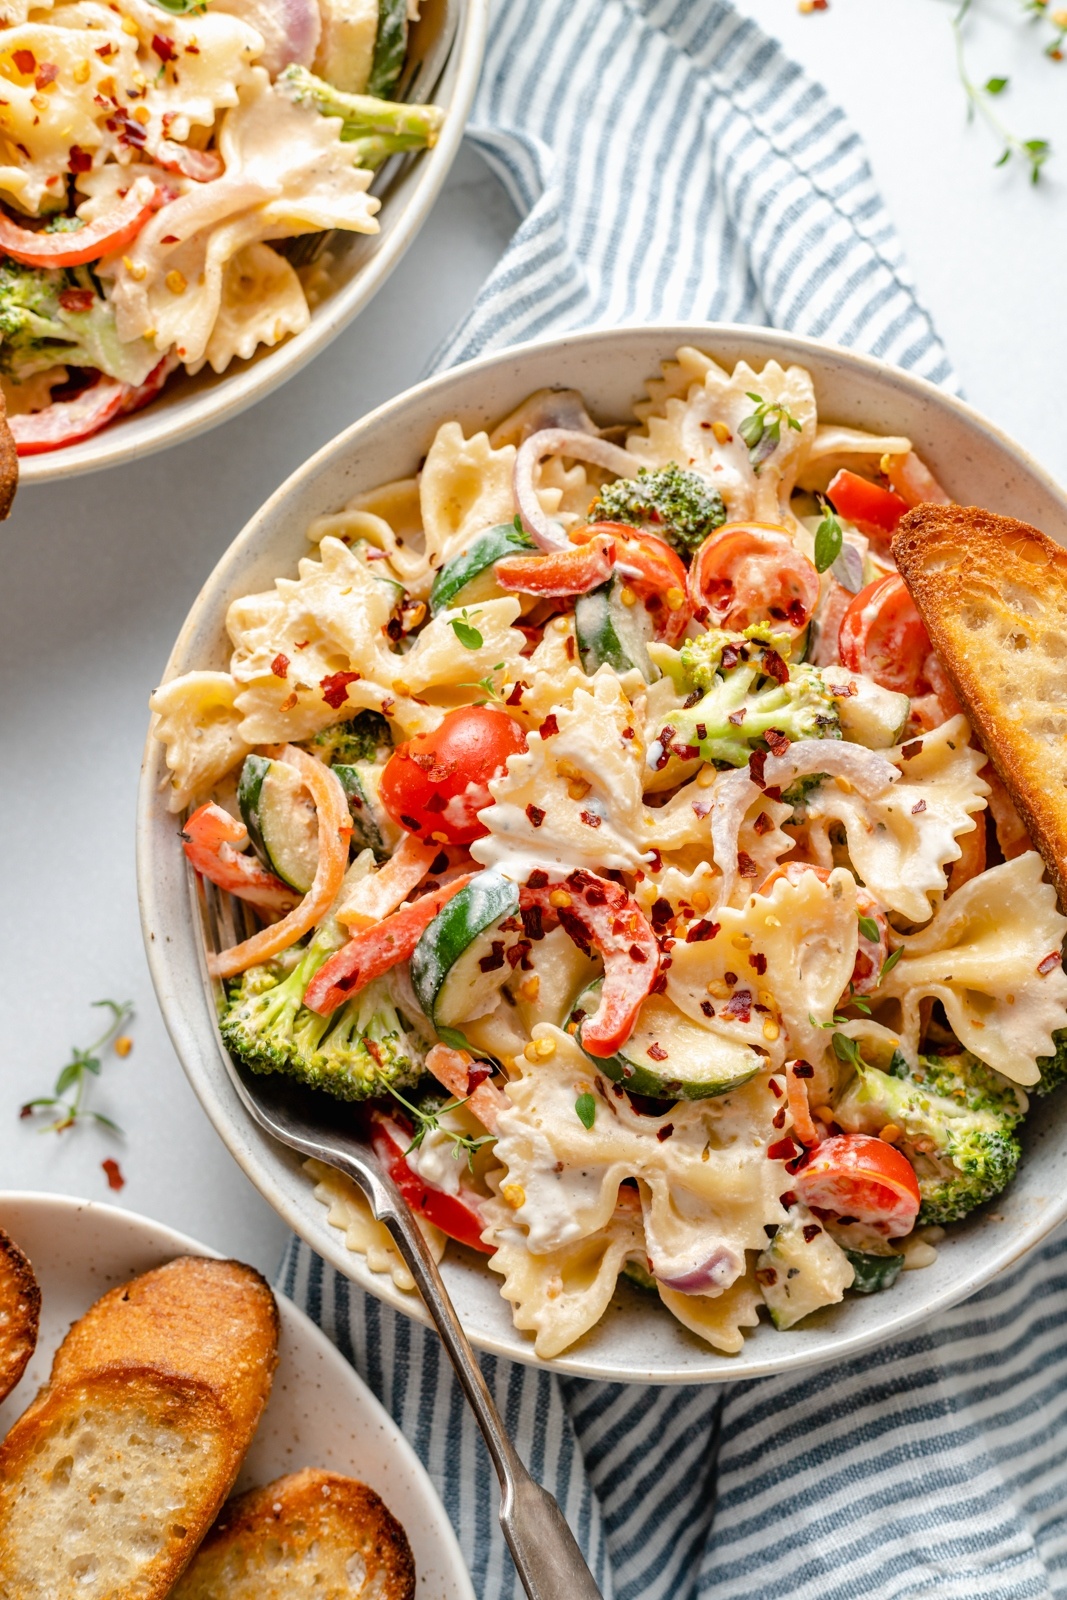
(671, 164)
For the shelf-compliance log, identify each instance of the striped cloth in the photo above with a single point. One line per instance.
(670, 164)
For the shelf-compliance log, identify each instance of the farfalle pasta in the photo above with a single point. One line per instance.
(657, 929)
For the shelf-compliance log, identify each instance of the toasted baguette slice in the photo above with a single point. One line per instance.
(20, 1310)
(993, 595)
(311, 1536)
(113, 1475)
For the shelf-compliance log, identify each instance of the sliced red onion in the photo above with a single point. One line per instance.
(549, 408)
(289, 29)
(716, 1272)
(560, 442)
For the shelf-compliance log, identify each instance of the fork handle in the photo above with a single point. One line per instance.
(546, 1554)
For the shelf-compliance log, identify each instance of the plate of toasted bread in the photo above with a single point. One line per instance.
(171, 1428)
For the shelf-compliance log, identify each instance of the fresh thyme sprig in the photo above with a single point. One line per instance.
(75, 1076)
(488, 686)
(1034, 152)
(762, 431)
(430, 1122)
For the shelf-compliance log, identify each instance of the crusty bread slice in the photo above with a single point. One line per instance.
(312, 1536)
(112, 1476)
(20, 1310)
(993, 595)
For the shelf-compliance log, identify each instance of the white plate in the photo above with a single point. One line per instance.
(363, 262)
(636, 1340)
(320, 1413)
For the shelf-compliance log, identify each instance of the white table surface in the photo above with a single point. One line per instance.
(97, 574)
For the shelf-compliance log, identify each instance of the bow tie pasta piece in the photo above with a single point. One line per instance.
(682, 429)
(198, 722)
(991, 955)
(551, 674)
(901, 840)
(390, 519)
(719, 1320)
(464, 488)
(287, 172)
(574, 798)
(349, 1211)
(261, 303)
(835, 447)
(441, 659)
(559, 1297)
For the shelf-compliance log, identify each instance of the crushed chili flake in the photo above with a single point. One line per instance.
(477, 1073)
(763, 823)
(280, 665)
(495, 959)
(707, 1008)
(788, 1199)
(535, 815)
(289, 702)
(517, 691)
(537, 879)
(590, 819)
(802, 1069)
(778, 1120)
(811, 1231)
(164, 47)
(782, 1149)
(767, 1276)
(730, 657)
(730, 978)
(659, 982)
(775, 1088)
(78, 160)
(737, 717)
(549, 726)
(595, 896)
(759, 961)
(115, 1180)
(777, 741)
(775, 667)
(47, 73)
(655, 861)
(637, 954)
(656, 1052)
(77, 299)
(335, 688)
(756, 763)
(913, 749)
(666, 1130)
(569, 647)
(628, 733)
(700, 808)
(25, 61)
(773, 792)
(699, 931)
(746, 867)
(920, 805)
(1046, 965)
(519, 955)
(739, 1006)
(532, 923)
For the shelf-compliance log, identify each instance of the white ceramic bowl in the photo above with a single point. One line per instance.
(320, 1413)
(362, 263)
(636, 1340)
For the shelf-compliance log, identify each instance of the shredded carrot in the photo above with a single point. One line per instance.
(377, 895)
(797, 1092)
(451, 1068)
(335, 829)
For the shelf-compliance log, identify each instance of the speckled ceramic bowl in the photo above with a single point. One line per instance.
(320, 1413)
(361, 265)
(636, 1340)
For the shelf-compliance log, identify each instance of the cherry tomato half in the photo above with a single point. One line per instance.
(750, 572)
(855, 1175)
(873, 510)
(655, 573)
(883, 636)
(435, 785)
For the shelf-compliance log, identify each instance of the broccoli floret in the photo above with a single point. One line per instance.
(801, 789)
(1053, 1068)
(682, 507)
(744, 694)
(375, 128)
(349, 1054)
(957, 1117)
(359, 739)
(56, 317)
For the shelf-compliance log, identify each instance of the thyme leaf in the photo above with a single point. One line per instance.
(68, 1096)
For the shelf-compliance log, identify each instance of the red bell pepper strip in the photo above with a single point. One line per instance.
(374, 950)
(561, 572)
(68, 421)
(873, 510)
(103, 237)
(208, 839)
(600, 915)
(457, 1215)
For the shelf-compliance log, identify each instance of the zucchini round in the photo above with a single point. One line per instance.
(458, 967)
(372, 826)
(873, 1273)
(687, 1062)
(468, 577)
(611, 633)
(281, 820)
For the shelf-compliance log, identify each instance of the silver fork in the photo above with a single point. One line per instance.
(546, 1554)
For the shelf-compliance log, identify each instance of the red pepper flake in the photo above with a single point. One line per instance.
(536, 815)
(280, 666)
(778, 1120)
(705, 1006)
(537, 879)
(699, 931)
(172, 238)
(782, 1149)
(777, 741)
(192, 49)
(759, 961)
(1046, 965)
(77, 299)
(437, 802)
(549, 726)
(811, 1229)
(739, 1006)
(495, 959)
(477, 1073)
(655, 861)
(519, 955)
(666, 1130)
(47, 73)
(788, 1199)
(767, 1276)
(756, 763)
(775, 667)
(730, 657)
(590, 819)
(746, 867)
(78, 160)
(661, 916)
(569, 646)
(802, 1069)
(25, 62)
(910, 750)
(636, 953)
(517, 691)
(773, 792)
(656, 1052)
(919, 806)
(164, 47)
(115, 1180)
(763, 823)
(388, 703)
(106, 51)
(627, 733)
(730, 978)
(335, 688)
(775, 1087)
(439, 863)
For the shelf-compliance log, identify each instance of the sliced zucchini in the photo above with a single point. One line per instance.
(802, 1269)
(459, 966)
(364, 737)
(281, 820)
(873, 1273)
(372, 826)
(670, 1057)
(468, 578)
(611, 633)
(390, 47)
(869, 714)
(640, 1277)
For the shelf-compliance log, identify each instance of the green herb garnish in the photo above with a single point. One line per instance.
(585, 1106)
(83, 1064)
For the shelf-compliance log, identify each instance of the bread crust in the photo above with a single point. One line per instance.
(153, 1400)
(9, 463)
(992, 592)
(319, 1521)
(20, 1312)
